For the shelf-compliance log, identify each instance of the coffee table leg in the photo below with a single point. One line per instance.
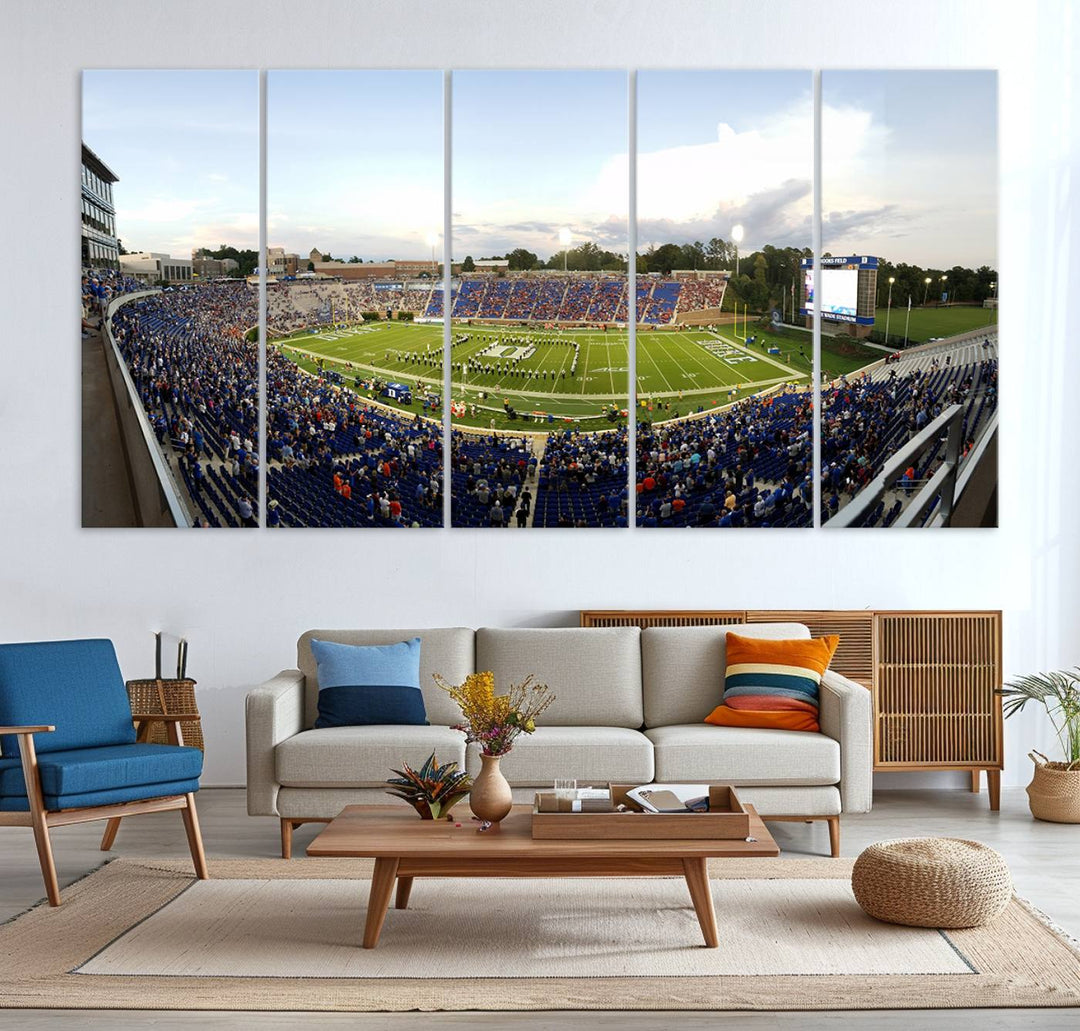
(697, 880)
(404, 887)
(382, 884)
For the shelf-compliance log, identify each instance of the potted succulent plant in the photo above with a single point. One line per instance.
(432, 790)
(1054, 792)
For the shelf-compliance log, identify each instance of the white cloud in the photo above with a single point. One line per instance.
(716, 180)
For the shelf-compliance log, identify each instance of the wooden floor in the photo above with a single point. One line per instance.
(1043, 857)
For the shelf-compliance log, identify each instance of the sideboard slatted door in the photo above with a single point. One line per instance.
(854, 656)
(643, 619)
(935, 700)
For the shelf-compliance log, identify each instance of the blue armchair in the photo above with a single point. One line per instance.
(68, 749)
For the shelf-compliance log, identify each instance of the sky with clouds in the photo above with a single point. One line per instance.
(535, 152)
(185, 146)
(718, 149)
(909, 166)
(355, 160)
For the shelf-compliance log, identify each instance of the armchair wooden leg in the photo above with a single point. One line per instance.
(109, 836)
(286, 839)
(834, 836)
(194, 836)
(28, 755)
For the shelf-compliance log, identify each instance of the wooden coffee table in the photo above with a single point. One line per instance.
(404, 847)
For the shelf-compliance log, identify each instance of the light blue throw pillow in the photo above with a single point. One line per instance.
(361, 685)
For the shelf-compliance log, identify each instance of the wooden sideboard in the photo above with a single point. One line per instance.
(934, 676)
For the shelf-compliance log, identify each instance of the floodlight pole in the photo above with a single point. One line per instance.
(888, 311)
(907, 321)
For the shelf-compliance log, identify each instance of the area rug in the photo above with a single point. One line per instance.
(268, 934)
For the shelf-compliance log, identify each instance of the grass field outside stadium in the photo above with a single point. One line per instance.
(927, 323)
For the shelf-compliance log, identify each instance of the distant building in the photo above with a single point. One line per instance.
(100, 248)
(275, 261)
(375, 269)
(213, 268)
(152, 268)
(493, 265)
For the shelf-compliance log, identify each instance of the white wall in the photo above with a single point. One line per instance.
(244, 597)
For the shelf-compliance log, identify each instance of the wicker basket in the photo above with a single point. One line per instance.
(1054, 791)
(166, 698)
(932, 882)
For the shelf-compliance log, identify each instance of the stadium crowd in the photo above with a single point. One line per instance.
(747, 466)
(197, 378)
(868, 418)
(100, 286)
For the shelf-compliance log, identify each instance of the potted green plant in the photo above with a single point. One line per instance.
(1054, 792)
(432, 790)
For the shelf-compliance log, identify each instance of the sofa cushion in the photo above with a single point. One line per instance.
(354, 757)
(773, 684)
(683, 667)
(74, 685)
(361, 684)
(449, 651)
(743, 755)
(586, 754)
(594, 674)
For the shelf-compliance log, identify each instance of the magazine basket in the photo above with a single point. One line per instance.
(166, 698)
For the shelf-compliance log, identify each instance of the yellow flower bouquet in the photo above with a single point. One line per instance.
(493, 720)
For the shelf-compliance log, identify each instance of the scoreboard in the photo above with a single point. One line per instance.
(848, 289)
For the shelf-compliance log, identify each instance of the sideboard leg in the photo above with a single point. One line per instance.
(993, 786)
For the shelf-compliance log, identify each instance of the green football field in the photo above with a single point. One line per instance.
(678, 372)
(927, 323)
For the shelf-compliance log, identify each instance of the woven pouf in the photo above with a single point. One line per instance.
(932, 882)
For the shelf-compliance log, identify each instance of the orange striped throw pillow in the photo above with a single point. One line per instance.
(773, 684)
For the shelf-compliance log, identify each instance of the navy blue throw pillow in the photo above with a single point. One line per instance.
(360, 685)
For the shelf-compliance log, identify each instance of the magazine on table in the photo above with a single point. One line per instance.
(671, 798)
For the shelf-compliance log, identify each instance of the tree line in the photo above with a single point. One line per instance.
(766, 278)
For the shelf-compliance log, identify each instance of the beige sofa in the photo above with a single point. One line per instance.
(629, 707)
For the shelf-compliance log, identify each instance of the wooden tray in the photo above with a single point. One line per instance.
(726, 819)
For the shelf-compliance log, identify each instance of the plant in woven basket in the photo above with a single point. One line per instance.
(1054, 792)
(432, 790)
(1059, 693)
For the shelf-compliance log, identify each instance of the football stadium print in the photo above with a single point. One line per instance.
(451, 319)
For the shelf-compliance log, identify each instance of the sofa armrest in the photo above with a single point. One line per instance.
(846, 716)
(274, 711)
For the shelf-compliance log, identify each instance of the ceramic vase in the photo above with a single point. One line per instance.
(490, 798)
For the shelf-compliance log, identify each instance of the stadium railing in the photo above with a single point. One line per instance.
(941, 485)
(158, 498)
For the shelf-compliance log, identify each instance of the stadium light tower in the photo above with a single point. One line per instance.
(926, 290)
(565, 236)
(737, 233)
(888, 310)
(432, 242)
(944, 280)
